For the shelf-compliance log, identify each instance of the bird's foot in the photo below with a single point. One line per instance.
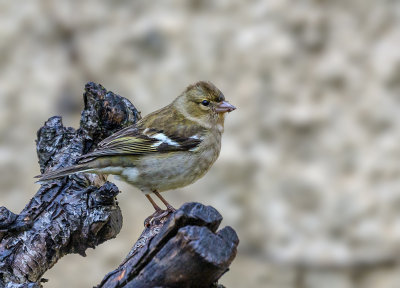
(170, 209)
(157, 217)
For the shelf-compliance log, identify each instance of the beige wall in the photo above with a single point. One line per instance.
(309, 173)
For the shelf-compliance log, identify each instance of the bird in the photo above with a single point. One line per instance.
(168, 149)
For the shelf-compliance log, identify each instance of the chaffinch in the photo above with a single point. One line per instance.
(169, 148)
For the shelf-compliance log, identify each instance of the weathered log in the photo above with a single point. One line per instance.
(71, 214)
(183, 249)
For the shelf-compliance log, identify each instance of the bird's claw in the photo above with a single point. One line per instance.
(170, 209)
(158, 216)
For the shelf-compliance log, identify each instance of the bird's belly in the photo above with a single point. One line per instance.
(168, 171)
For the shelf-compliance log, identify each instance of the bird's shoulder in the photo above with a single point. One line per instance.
(165, 130)
(172, 123)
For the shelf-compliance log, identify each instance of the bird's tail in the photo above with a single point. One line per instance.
(63, 172)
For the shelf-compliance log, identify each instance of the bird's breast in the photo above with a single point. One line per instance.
(174, 169)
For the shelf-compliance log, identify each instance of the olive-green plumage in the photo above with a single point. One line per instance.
(169, 148)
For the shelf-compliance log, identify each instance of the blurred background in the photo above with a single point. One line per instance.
(309, 172)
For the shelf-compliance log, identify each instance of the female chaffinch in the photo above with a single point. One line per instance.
(169, 148)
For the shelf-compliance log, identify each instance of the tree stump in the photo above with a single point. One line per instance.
(73, 213)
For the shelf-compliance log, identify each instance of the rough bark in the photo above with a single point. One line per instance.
(183, 249)
(71, 214)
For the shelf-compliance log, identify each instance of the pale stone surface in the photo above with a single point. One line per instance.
(309, 170)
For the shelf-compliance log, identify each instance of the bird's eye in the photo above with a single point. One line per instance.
(205, 102)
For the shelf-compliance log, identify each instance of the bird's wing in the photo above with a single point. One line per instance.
(138, 141)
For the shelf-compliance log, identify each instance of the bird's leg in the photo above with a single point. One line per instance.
(157, 215)
(169, 206)
(155, 206)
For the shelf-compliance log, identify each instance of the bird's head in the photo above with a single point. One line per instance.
(203, 102)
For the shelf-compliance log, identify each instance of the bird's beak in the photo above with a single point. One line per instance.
(225, 106)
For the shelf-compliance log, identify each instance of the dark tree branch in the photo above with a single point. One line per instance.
(74, 213)
(71, 214)
(181, 250)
